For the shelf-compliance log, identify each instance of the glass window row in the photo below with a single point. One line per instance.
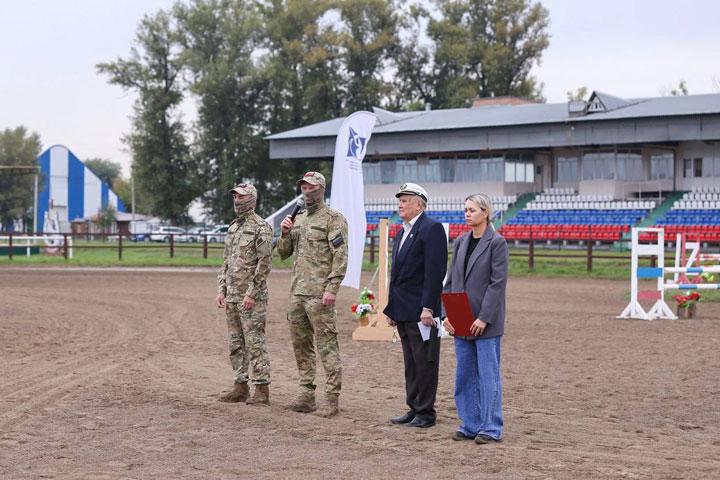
(459, 168)
(612, 165)
(698, 167)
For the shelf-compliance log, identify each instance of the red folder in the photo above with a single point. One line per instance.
(459, 313)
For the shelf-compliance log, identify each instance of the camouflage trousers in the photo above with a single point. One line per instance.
(313, 324)
(246, 337)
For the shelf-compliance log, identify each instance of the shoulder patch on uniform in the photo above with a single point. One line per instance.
(319, 229)
(337, 241)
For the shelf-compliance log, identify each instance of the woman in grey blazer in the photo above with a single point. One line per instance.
(479, 267)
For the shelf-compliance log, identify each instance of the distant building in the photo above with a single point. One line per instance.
(74, 190)
(612, 146)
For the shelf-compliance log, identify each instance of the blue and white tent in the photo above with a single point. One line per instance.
(75, 191)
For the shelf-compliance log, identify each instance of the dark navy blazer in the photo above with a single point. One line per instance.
(418, 271)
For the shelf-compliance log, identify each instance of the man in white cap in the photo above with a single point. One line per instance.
(419, 262)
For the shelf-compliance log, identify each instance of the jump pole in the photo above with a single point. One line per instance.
(682, 259)
(377, 329)
(680, 281)
(660, 309)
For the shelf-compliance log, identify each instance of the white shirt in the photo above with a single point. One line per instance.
(407, 227)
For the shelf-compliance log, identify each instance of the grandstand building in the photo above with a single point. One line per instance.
(607, 161)
(72, 189)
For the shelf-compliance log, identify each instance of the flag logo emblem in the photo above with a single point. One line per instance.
(356, 145)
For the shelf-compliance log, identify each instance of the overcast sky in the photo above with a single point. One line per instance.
(49, 50)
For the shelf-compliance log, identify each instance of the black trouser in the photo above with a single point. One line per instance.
(422, 361)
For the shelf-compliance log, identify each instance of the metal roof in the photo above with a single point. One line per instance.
(527, 114)
(611, 102)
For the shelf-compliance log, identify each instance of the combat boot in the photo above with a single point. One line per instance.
(331, 407)
(261, 396)
(239, 393)
(304, 404)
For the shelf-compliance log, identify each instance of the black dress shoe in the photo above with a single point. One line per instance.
(407, 418)
(420, 422)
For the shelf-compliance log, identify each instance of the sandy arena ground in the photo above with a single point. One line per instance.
(108, 375)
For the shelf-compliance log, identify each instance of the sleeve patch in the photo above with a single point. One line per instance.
(337, 241)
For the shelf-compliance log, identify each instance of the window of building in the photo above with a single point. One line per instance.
(371, 172)
(461, 168)
(509, 171)
(566, 169)
(447, 168)
(629, 165)
(707, 167)
(710, 167)
(491, 168)
(661, 166)
(697, 167)
(530, 172)
(598, 165)
(428, 170)
(516, 167)
(701, 167)
(405, 170)
(467, 169)
(387, 169)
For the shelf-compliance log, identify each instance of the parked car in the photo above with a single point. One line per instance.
(195, 233)
(162, 234)
(218, 233)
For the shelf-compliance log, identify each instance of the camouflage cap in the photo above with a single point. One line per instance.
(412, 189)
(244, 189)
(313, 178)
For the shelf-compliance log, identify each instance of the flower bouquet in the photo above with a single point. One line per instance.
(686, 304)
(364, 307)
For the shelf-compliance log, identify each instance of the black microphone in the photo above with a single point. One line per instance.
(298, 206)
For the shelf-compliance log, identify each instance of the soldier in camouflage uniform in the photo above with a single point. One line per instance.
(318, 237)
(243, 292)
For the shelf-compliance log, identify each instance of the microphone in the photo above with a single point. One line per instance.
(298, 206)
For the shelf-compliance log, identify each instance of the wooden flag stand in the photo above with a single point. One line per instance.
(377, 328)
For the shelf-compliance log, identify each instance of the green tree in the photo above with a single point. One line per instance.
(18, 148)
(302, 68)
(368, 39)
(412, 81)
(162, 169)
(479, 48)
(577, 95)
(106, 170)
(302, 74)
(219, 39)
(105, 219)
(680, 90)
(123, 188)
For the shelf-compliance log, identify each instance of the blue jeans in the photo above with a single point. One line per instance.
(478, 386)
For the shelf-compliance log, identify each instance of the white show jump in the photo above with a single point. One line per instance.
(660, 309)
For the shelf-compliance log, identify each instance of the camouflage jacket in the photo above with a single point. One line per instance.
(319, 241)
(247, 259)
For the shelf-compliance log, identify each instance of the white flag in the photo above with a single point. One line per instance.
(347, 194)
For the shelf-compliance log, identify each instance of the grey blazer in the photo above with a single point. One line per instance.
(485, 279)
